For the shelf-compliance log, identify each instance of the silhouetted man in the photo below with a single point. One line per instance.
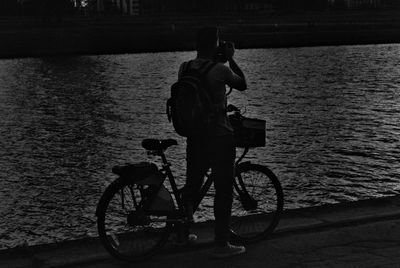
(217, 149)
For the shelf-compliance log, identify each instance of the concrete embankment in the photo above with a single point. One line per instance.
(300, 231)
(21, 37)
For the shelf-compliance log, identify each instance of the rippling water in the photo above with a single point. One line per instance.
(333, 131)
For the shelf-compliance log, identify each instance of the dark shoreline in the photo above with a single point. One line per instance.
(89, 251)
(30, 37)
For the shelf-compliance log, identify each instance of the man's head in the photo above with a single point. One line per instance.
(207, 40)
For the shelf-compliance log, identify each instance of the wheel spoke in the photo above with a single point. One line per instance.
(126, 231)
(256, 212)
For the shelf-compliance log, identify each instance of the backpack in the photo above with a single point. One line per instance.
(190, 107)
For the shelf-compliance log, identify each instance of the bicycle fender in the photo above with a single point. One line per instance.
(243, 165)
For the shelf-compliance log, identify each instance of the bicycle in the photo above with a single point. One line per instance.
(136, 213)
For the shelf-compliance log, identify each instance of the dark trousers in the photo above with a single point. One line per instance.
(217, 153)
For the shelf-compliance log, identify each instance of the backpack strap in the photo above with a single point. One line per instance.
(204, 68)
(185, 67)
(209, 67)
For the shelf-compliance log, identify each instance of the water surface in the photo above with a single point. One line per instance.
(332, 114)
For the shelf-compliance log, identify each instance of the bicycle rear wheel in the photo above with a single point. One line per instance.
(257, 203)
(125, 229)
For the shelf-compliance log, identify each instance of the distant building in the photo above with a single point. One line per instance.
(365, 4)
(143, 7)
(136, 7)
(259, 5)
(8, 7)
(356, 4)
(128, 7)
(392, 4)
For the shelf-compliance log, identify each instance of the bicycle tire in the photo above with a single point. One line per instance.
(257, 203)
(124, 230)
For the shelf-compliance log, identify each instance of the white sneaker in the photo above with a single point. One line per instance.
(190, 239)
(228, 251)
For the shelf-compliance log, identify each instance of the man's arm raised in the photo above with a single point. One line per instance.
(236, 79)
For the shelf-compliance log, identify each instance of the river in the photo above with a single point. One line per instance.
(333, 129)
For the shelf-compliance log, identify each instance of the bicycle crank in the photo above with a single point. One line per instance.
(138, 218)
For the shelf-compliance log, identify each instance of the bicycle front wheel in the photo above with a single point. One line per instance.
(126, 230)
(257, 203)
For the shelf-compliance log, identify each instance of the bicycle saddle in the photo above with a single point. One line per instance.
(158, 145)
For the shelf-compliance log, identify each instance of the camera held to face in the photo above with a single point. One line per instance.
(222, 52)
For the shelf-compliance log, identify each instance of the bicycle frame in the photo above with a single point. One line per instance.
(166, 168)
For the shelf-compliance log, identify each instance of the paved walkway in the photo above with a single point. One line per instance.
(359, 234)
